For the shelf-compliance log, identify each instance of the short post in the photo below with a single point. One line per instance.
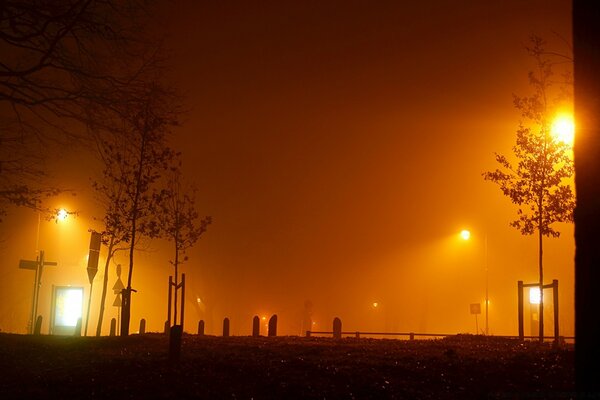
(201, 328)
(169, 305)
(113, 327)
(337, 328)
(166, 328)
(411, 336)
(520, 300)
(77, 328)
(226, 327)
(38, 326)
(357, 335)
(555, 298)
(255, 326)
(142, 326)
(307, 333)
(175, 342)
(273, 326)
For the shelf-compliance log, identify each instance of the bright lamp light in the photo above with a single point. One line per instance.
(535, 295)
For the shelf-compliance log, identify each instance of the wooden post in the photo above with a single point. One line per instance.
(520, 300)
(201, 328)
(273, 326)
(411, 336)
(175, 342)
(142, 326)
(166, 328)
(226, 327)
(255, 326)
(113, 327)
(555, 298)
(182, 298)
(38, 326)
(337, 328)
(169, 304)
(77, 328)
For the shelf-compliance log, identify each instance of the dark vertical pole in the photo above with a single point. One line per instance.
(586, 45)
(555, 298)
(169, 304)
(337, 328)
(226, 327)
(255, 326)
(520, 300)
(113, 327)
(182, 298)
(201, 328)
(273, 326)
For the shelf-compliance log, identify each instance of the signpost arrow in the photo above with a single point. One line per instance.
(92, 268)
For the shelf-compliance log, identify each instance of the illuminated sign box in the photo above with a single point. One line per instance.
(67, 308)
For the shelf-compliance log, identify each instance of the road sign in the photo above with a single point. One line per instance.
(94, 255)
(118, 286)
(475, 308)
(117, 302)
(28, 264)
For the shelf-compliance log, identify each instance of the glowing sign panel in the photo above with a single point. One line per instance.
(67, 308)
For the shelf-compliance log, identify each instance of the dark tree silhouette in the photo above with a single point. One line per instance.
(66, 66)
(537, 183)
(586, 45)
(134, 163)
(180, 221)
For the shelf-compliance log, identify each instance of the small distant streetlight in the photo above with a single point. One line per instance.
(465, 234)
(61, 215)
(375, 304)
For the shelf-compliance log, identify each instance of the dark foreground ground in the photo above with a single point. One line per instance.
(460, 367)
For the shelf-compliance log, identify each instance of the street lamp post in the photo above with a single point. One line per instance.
(466, 235)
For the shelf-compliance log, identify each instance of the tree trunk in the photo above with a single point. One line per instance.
(541, 271)
(104, 287)
(586, 46)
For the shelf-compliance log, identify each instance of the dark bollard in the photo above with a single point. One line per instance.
(226, 327)
(77, 328)
(201, 328)
(167, 327)
(273, 325)
(255, 326)
(307, 333)
(113, 327)
(175, 342)
(412, 336)
(357, 335)
(337, 328)
(37, 330)
(142, 326)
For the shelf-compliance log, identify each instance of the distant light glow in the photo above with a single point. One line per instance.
(563, 129)
(535, 295)
(69, 303)
(62, 214)
(375, 304)
(465, 234)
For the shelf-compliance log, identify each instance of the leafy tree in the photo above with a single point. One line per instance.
(66, 66)
(135, 160)
(538, 182)
(180, 221)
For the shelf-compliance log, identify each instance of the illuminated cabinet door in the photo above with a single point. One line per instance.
(67, 308)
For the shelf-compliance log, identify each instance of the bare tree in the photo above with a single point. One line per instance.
(180, 221)
(134, 162)
(66, 66)
(538, 182)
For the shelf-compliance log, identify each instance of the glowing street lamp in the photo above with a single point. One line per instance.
(61, 215)
(466, 235)
(563, 129)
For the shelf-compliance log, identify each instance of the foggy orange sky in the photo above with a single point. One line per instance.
(338, 147)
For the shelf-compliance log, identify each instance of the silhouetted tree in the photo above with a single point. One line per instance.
(134, 163)
(180, 221)
(66, 66)
(538, 182)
